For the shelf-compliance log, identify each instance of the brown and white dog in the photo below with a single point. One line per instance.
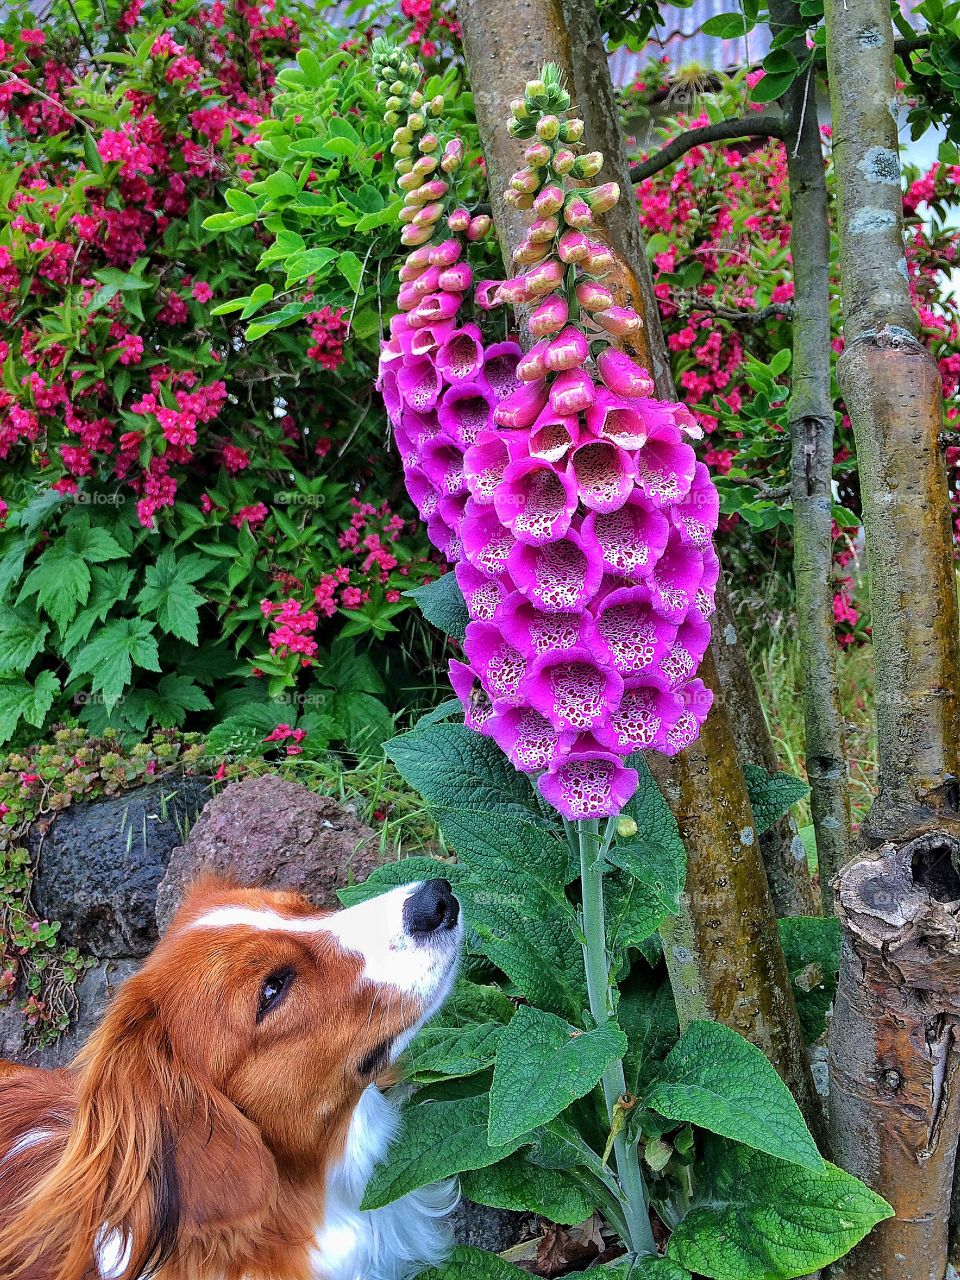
(222, 1122)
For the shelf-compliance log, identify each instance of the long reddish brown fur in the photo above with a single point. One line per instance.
(204, 1135)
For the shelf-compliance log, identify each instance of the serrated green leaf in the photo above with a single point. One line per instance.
(448, 1052)
(175, 696)
(772, 795)
(518, 1184)
(366, 721)
(757, 1218)
(467, 1263)
(543, 1065)
(811, 948)
(22, 636)
(20, 700)
(441, 602)
(438, 1140)
(715, 1079)
(110, 655)
(168, 595)
(454, 768)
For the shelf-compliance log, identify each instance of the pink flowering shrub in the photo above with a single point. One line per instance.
(192, 517)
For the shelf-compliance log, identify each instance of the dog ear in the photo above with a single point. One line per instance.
(154, 1157)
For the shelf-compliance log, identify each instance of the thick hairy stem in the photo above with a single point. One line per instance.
(506, 43)
(897, 999)
(811, 441)
(596, 965)
(719, 131)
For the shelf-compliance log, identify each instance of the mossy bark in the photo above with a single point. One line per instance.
(733, 968)
(894, 1065)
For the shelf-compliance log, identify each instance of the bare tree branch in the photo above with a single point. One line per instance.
(768, 126)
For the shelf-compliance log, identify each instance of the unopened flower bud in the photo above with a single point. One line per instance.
(537, 155)
(576, 212)
(623, 376)
(602, 198)
(525, 180)
(600, 260)
(429, 142)
(479, 227)
(456, 279)
(435, 189)
(549, 316)
(428, 215)
(571, 130)
(415, 121)
(425, 165)
(416, 100)
(529, 251)
(520, 128)
(522, 406)
(402, 134)
(563, 161)
(459, 220)
(593, 296)
(519, 109)
(518, 199)
(572, 392)
(415, 235)
(532, 366)
(549, 201)
(390, 117)
(397, 87)
(622, 322)
(574, 247)
(437, 105)
(542, 230)
(535, 91)
(445, 254)
(569, 350)
(547, 128)
(408, 212)
(626, 828)
(409, 181)
(401, 149)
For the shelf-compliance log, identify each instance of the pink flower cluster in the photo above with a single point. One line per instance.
(573, 506)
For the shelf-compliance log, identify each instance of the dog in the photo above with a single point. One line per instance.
(223, 1120)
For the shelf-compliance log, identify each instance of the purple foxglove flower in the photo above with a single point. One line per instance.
(593, 296)
(603, 198)
(559, 577)
(574, 247)
(528, 739)
(464, 411)
(623, 376)
(451, 506)
(612, 417)
(487, 545)
(445, 538)
(621, 322)
(456, 279)
(687, 422)
(521, 407)
(695, 517)
(535, 501)
(549, 316)
(631, 540)
(427, 282)
(572, 690)
(487, 294)
(484, 464)
(643, 719)
(477, 707)
(500, 368)
(553, 435)
(568, 350)
(501, 668)
(626, 628)
(419, 384)
(445, 254)
(697, 700)
(665, 469)
(532, 631)
(416, 343)
(595, 785)
(434, 307)
(390, 391)
(442, 462)
(674, 580)
(482, 594)
(704, 599)
(423, 492)
(461, 356)
(572, 391)
(604, 475)
(533, 365)
(679, 662)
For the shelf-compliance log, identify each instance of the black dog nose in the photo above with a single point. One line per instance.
(431, 908)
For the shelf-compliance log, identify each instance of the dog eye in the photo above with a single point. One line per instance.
(275, 987)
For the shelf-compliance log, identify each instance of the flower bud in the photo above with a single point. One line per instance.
(429, 142)
(576, 212)
(452, 156)
(549, 316)
(415, 121)
(533, 366)
(437, 105)
(445, 254)
(542, 230)
(572, 392)
(436, 306)
(622, 322)
(518, 109)
(574, 247)
(534, 91)
(427, 282)
(563, 161)
(417, 261)
(569, 350)
(401, 149)
(393, 103)
(408, 212)
(425, 165)
(525, 180)
(402, 134)
(456, 279)
(521, 407)
(599, 260)
(409, 181)
(435, 189)
(626, 828)
(408, 298)
(537, 155)
(416, 98)
(404, 165)
(415, 235)
(390, 117)
(519, 128)
(623, 376)
(517, 200)
(397, 87)
(593, 296)
(528, 252)
(588, 165)
(459, 220)
(550, 200)
(547, 128)
(479, 227)
(571, 130)
(601, 199)
(428, 215)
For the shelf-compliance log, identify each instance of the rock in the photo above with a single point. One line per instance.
(99, 864)
(493, 1230)
(277, 834)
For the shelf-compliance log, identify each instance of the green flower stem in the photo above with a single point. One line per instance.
(597, 968)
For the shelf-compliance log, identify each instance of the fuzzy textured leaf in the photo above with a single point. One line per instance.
(811, 947)
(449, 1052)
(454, 768)
(543, 1064)
(466, 1263)
(771, 795)
(441, 602)
(20, 700)
(518, 1184)
(717, 1080)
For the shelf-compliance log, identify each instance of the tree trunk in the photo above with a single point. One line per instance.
(506, 43)
(894, 1067)
(811, 442)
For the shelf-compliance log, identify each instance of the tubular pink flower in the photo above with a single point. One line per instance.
(592, 785)
(622, 322)
(411, 437)
(548, 202)
(559, 577)
(487, 545)
(533, 365)
(631, 540)
(576, 212)
(535, 501)
(465, 410)
(574, 247)
(442, 463)
(390, 391)
(593, 296)
(532, 631)
(697, 700)
(603, 198)
(456, 279)
(477, 707)
(487, 294)
(679, 662)
(425, 340)
(572, 391)
(568, 350)
(446, 253)
(461, 355)
(704, 599)
(419, 384)
(528, 739)
(542, 230)
(623, 376)
(695, 516)
(549, 316)
(643, 719)
(434, 307)
(612, 417)
(553, 435)
(423, 492)
(445, 537)
(521, 407)
(604, 474)
(572, 690)
(482, 594)
(500, 666)
(500, 368)
(626, 628)
(665, 470)
(484, 464)
(599, 260)
(674, 580)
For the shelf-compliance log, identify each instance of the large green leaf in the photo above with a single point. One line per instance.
(543, 1065)
(169, 596)
(644, 1269)
(811, 947)
(21, 700)
(109, 656)
(455, 768)
(445, 1052)
(22, 635)
(466, 1263)
(438, 1140)
(717, 1080)
(772, 795)
(648, 1017)
(756, 1218)
(441, 602)
(518, 1183)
